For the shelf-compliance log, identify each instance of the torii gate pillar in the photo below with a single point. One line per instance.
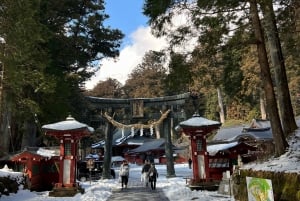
(68, 132)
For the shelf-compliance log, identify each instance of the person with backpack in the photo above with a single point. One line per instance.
(153, 175)
(145, 171)
(124, 173)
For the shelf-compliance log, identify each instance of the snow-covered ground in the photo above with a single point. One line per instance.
(101, 190)
(288, 162)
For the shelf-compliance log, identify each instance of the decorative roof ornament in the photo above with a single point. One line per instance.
(70, 118)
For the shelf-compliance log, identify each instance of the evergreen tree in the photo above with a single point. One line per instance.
(214, 19)
(51, 49)
(110, 88)
(147, 79)
(278, 63)
(179, 77)
(24, 62)
(278, 136)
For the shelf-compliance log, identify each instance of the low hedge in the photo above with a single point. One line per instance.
(8, 185)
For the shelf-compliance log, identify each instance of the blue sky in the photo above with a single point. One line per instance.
(125, 15)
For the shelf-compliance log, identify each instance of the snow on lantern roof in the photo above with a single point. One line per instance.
(197, 121)
(69, 124)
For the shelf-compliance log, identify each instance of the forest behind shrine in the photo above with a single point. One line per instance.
(244, 63)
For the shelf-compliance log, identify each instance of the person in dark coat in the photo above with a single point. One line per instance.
(153, 175)
(190, 163)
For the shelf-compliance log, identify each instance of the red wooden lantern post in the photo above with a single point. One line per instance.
(197, 128)
(68, 132)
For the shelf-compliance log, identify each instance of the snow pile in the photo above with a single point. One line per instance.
(6, 169)
(7, 172)
(288, 162)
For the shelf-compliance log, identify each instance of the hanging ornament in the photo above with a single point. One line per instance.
(141, 131)
(123, 135)
(132, 131)
(120, 125)
(151, 130)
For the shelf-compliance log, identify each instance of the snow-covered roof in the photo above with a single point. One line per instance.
(228, 133)
(215, 148)
(124, 136)
(39, 152)
(98, 144)
(47, 152)
(69, 124)
(236, 133)
(117, 158)
(197, 121)
(92, 156)
(151, 145)
(2, 40)
(155, 144)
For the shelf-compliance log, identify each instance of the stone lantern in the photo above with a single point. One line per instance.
(68, 132)
(197, 128)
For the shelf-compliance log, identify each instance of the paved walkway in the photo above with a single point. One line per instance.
(137, 193)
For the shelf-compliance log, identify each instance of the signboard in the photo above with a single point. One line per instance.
(137, 108)
(259, 189)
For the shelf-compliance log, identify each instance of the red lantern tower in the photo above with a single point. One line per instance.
(197, 128)
(68, 132)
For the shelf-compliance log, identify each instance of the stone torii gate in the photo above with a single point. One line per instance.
(134, 108)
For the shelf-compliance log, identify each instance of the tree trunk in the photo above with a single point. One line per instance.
(221, 106)
(262, 106)
(107, 151)
(283, 92)
(29, 134)
(5, 136)
(278, 135)
(296, 4)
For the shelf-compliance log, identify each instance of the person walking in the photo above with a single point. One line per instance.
(153, 175)
(145, 171)
(124, 173)
(190, 163)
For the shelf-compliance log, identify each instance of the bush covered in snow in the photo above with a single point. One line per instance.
(9, 181)
(8, 185)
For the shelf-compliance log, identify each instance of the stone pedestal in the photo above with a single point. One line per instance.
(225, 186)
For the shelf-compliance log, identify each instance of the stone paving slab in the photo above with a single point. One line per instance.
(137, 193)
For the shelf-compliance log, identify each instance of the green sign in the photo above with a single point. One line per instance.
(259, 189)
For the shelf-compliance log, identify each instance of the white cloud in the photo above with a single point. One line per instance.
(130, 56)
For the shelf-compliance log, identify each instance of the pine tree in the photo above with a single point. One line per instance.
(213, 19)
(51, 49)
